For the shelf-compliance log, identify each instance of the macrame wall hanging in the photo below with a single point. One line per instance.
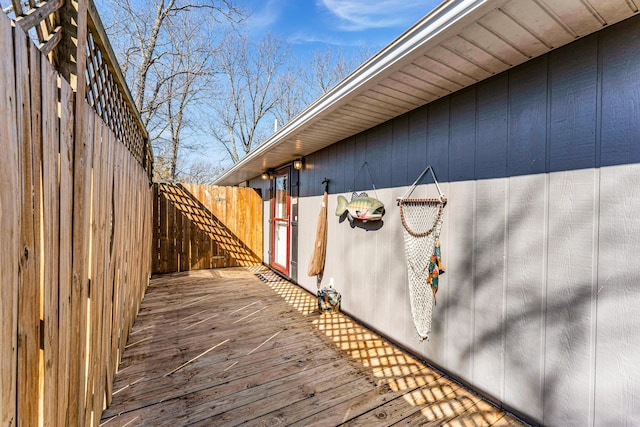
(422, 222)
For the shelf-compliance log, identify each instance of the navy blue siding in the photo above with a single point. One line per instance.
(360, 177)
(493, 112)
(621, 94)
(528, 118)
(438, 139)
(399, 150)
(416, 153)
(573, 89)
(338, 182)
(262, 185)
(348, 164)
(462, 138)
(334, 168)
(575, 108)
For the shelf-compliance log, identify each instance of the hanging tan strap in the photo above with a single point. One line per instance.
(316, 265)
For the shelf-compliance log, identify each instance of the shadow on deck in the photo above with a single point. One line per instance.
(222, 347)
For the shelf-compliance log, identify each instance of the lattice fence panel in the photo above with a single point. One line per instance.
(106, 99)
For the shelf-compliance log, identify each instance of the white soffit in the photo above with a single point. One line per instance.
(458, 44)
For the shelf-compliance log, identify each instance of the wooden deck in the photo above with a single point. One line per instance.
(223, 347)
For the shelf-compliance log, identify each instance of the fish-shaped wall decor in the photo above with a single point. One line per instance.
(360, 207)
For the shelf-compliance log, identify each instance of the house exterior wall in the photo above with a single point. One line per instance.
(541, 236)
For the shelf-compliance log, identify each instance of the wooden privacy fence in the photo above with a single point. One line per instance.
(199, 226)
(75, 222)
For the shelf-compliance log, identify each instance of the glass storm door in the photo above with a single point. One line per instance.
(281, 231)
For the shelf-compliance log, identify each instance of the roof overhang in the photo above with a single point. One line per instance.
(458, 44)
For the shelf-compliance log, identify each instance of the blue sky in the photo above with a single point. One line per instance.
(309, 25)
(353, 27)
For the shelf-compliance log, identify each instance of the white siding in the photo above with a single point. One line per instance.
(617, 341)
(538, 307)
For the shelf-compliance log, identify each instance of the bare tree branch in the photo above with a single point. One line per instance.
(251, 91)
(167, 47)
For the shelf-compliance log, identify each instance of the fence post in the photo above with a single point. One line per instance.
(83, 153)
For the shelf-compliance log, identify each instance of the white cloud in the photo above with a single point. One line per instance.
(300, 38)
(356, 15)
(264, 17)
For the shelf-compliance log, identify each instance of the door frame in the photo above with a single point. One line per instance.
(279, 173)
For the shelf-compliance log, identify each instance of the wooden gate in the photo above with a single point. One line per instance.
(199, 227)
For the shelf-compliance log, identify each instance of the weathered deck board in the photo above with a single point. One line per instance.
(222, 347)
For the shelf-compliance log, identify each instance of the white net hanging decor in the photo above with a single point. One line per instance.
(422, 222)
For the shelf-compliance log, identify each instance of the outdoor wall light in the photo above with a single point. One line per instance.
(297, 164)
(265, 175)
